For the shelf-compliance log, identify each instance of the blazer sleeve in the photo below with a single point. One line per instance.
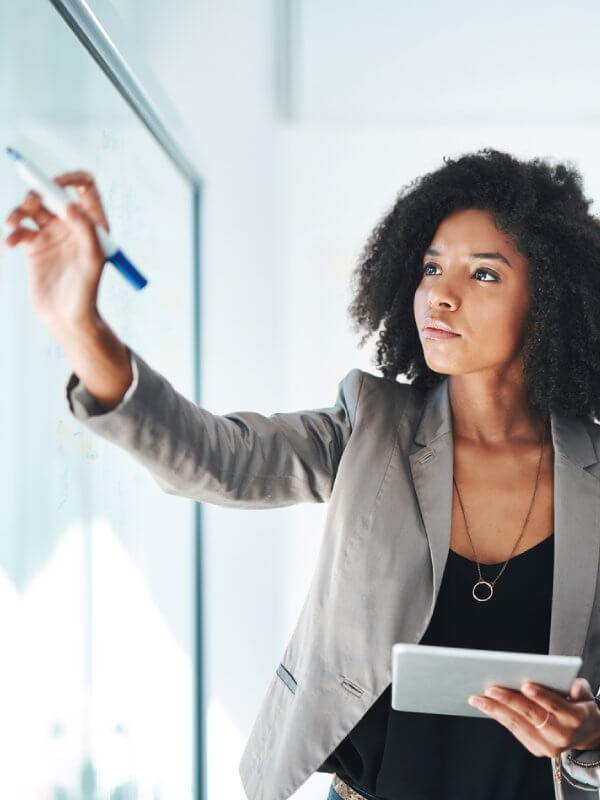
(242, 459)
(587, 778)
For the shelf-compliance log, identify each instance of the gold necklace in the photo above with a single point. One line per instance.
(490, 584)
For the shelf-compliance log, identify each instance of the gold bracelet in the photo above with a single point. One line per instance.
(582, 763)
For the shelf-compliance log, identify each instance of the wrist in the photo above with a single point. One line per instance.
(589, 744)
(98, 357)
(88, 327)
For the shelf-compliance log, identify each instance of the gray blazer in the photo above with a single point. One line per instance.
(382, 457)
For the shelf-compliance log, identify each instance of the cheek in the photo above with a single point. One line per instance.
(505, 318)
(498, 329)
(419, 299)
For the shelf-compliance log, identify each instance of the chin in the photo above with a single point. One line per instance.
(445, 369)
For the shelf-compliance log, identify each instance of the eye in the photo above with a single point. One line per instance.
(487, 272)
(481, 269)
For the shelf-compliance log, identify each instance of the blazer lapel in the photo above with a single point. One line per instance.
(576, 535)
(576, 512)
(432, 467)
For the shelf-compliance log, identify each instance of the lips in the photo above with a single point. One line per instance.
(437, 324)
(437, 333)
(434, 328)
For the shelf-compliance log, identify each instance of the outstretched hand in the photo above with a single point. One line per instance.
(572, 721)
(63, 256)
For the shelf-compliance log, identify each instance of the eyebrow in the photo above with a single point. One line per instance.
(497, 256)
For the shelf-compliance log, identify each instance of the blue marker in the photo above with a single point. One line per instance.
(56, 199)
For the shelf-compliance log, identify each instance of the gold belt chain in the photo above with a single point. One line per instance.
(345, 791)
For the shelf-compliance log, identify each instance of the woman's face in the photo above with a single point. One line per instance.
(481, 297)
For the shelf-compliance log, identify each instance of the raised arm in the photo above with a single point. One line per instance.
(242, 459)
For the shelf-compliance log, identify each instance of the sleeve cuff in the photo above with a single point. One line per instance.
(83, 405)
(577, 775)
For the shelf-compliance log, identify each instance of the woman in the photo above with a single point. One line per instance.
(463, 506)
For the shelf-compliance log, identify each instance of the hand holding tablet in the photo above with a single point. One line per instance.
(535, 696)
(439, 680)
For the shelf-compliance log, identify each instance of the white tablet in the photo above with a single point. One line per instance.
(438, 680)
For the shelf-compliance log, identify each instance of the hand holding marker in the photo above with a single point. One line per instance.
(56, 199)
(65, 263)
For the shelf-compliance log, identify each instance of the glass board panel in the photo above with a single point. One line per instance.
(96, 562)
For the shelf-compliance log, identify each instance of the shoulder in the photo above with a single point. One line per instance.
(368, 389)
(378, 383)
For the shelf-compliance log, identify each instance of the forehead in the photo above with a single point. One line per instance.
(471, 226)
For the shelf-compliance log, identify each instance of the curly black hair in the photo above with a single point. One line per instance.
(541, 206)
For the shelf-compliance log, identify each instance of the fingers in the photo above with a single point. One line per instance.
(521, 723)
(20, 235)
(33, 207)
(88, 194)
(82, 227)
(566, 711)
(521, 716)
(30, 207)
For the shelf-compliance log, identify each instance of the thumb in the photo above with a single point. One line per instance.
(581, 689)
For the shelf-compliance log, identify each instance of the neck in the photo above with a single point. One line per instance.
(492, 412)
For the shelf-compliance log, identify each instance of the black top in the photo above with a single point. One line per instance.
(402, 755)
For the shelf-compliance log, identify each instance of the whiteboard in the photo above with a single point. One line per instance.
(96, 563)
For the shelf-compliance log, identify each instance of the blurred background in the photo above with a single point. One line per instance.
(244, 150)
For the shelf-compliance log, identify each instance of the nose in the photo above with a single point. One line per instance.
(444, 290)
(441, 295)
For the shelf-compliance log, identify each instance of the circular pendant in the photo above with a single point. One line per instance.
(485, 583)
